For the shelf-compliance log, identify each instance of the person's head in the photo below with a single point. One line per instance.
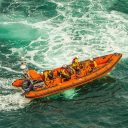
(75, 59)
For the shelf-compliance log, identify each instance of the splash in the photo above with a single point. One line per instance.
(10, 98)
(12, 102)
(69, 94)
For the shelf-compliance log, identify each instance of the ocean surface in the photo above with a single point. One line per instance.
(48, 34)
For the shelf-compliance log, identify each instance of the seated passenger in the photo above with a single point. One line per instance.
(64, 73)
(48, 75)
(76, 65)
(70, 69)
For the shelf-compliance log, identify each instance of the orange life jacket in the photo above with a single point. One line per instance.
(75, 63)
(64, 71)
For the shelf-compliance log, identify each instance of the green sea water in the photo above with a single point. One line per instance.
(48, 34)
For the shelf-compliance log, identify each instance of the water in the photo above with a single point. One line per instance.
(48, 34)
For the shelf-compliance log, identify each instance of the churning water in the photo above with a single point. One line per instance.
(48, 34)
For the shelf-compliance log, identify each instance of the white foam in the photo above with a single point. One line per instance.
(10, 97)
(9, 69)
(12, 102)
(69, 94)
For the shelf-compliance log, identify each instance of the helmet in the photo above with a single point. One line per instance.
(23, 66)
(91, 59)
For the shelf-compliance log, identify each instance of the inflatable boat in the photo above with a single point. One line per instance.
(88, 73)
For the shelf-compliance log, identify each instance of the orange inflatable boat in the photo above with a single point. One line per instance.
(89, 70)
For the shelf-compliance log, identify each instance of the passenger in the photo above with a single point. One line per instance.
(64, 73)
(76, 65)
(69, 69)
(48, 75)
